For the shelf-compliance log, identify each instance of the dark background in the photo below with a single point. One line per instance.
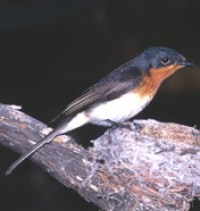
(51, 50)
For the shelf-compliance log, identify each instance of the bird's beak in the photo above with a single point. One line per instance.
(185, 63)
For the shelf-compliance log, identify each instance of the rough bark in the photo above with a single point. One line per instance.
(147, 165)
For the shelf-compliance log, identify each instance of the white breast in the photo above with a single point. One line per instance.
(118, 110)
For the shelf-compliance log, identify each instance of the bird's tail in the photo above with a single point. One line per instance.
(45, 140)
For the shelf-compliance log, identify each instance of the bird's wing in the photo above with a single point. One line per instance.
(100, 93)
(106, 89)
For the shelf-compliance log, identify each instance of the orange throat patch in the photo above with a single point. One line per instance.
(150, 83)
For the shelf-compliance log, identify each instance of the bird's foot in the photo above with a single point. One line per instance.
(119, 124)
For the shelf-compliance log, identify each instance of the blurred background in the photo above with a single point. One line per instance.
(52, 50)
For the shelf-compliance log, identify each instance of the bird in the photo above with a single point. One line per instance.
(117, 97)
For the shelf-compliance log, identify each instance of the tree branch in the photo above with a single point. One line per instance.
(151, 166)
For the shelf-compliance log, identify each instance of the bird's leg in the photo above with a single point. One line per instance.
(117, 124)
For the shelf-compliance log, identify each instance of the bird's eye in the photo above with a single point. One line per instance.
(165, 61)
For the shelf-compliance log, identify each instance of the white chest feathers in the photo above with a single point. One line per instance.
(120, 109)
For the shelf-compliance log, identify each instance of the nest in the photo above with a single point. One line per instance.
(151, 167)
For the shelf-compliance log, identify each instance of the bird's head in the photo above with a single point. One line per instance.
(161, 62)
